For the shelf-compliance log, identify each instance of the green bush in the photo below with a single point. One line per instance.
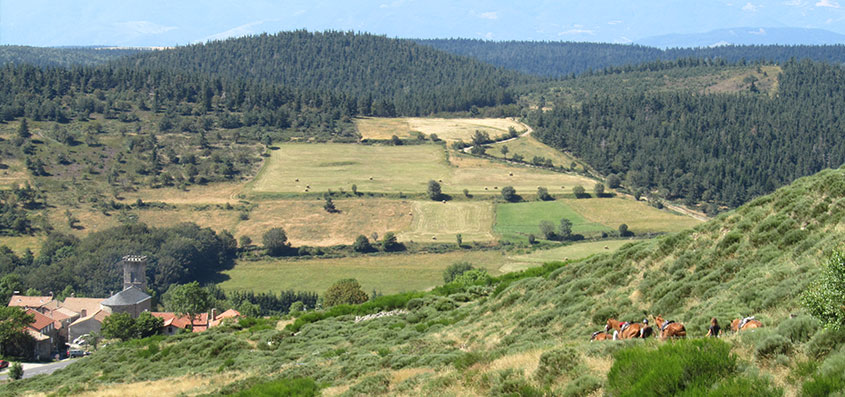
(556, 362)
(510, 383)
(671, 369)
(468, 359)
(824, 342)
(799, 329)
(773, 345)
(456, 269)
(830, 378)
(298, 387)
(584, 385)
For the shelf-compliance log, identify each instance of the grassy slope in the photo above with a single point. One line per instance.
(754, 260)
(446, 129)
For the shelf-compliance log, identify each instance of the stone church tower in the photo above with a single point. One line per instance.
(134, 271)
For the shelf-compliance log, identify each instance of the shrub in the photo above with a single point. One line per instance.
(369, 386)
(773, 345)
(601, 315)
(456, 269)
(825, 341)
(824, 299)
(16, 371)
(543, 194)
(467, 360)
(584, 385)
(510, 383)
(433, 191)
(578, 191)
(346, 291)
(673, 368)
(556, 362)
(799, 329)
(298, 387)
(829, 379)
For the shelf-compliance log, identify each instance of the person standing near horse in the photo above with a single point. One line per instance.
(714, 329)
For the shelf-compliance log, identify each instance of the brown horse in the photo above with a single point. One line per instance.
(750, 324)
(632, 330)
(670, 329)
(600, 335)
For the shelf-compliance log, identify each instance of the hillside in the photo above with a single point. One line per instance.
(388, 76)
(61, 57)
(529, 333)
(707, 146)
(747, 36)
(560, 59)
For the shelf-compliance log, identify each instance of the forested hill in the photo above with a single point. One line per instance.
(557, 59)
(389, 76)
(718, 148)
(71, 56)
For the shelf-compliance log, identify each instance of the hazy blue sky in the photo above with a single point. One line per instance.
(172, 22)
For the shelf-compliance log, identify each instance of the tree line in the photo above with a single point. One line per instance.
(719, 148)
(559, 59)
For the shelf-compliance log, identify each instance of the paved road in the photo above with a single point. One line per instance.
(30, 370)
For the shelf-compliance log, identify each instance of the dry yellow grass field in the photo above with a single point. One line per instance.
(213, 193)
(12, 174)
(19, 244)
(307, 223)
(528, 147)
(639, 216)
(446, 129)
(297, 168)
(436, 221)
(181, 386)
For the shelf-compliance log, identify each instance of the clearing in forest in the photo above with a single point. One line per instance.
(316, 168)
(529, 147)
(446, 129)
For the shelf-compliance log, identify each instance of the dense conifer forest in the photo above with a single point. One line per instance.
(388, 76)
(719, 148)
(558, 59)
(61, 56)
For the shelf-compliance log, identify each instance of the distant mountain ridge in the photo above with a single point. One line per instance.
(745, 36)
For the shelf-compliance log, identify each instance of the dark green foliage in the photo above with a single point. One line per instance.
(51, 56)
(456, 269)
(579, 191)
(690, 367)
(624, 232)
(375, 69)
(599, 189)
(466, 360)
(547, 229)
(829, 379)
(826, 299)
(189, 299)
(120, 326)
(564, 58)
(509, 193)
(16, 371)
(14, 322)
(433, 190)
(389, 243)
(511, 383)
(824, 342)
(613, 181)
(728, 139)
(543, 194)
(362, 244)
(329, 205)
(344, 292)
(275, 241)
(297, 387)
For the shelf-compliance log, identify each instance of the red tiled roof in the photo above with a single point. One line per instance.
(29, 301)
(231, 313)
(63, 314)
(41, 321)
(36, 335)
(198, 325)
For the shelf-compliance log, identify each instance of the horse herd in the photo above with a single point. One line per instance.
(665, 329)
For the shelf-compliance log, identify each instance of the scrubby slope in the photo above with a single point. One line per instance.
(527, 334)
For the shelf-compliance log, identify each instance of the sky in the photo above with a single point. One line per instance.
(179, 22)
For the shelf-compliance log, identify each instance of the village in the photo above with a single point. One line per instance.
(65, 328)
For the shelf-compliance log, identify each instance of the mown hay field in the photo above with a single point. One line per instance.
(446, 129)
(310, 168)
(436, 221)
(384, 273)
